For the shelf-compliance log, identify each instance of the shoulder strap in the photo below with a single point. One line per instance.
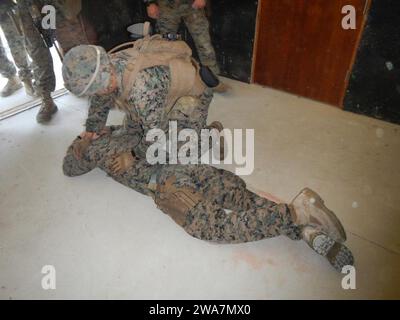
(149, 52)
(119, 47)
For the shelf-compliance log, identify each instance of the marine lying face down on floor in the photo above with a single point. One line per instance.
(213, 204)
(144, 81)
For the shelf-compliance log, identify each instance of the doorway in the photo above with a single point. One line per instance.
(303, 49)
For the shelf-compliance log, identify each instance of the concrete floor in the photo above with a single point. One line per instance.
(107, 241)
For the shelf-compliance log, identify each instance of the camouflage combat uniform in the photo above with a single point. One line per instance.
(70, 30)
(42, 62)
(16, 45)
(171, 14)
(227, 213)
(146, 102)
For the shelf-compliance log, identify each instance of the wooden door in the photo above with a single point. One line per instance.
(302, 48)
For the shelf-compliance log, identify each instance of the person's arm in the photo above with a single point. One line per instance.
(95, 124)
(87, 151)
(99, 109)
(72, 166)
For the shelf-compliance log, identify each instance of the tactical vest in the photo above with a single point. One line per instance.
(156, 51)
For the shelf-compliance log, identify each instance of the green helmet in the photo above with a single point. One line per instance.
(86, 70)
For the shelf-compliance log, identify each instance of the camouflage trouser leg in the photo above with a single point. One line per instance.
(42, 62)
(199, 28)
(169, 19)
(229, 213)
(70, 33)
(197, 119)
(7, 68)
(17, 47)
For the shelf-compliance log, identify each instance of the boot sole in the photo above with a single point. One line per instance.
(337, 254)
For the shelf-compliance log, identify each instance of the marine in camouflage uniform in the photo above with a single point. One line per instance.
(171, 14)
(252, 217)
(42, 62)
(219, 207)
(17, 47)
(146, 101)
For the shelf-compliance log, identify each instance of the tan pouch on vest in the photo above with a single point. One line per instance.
(177, 202)
(184, 108)
(185, 81)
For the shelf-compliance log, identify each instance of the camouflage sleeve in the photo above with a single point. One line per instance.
(149, 96)
(98, 152)
(98, 113)
(73, 167)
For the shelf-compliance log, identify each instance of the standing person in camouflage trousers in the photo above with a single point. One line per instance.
(71, 28)
(213, 204)
(170, 13)
(42, 62)
(90, 71)
(17, 47)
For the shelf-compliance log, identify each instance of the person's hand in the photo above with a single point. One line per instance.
(199, 4)
(86, 135)
(79, 147)
(153, 11)
(123, 162)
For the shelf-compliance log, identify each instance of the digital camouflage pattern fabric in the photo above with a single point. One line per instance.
(227, 213)
(146, 102)
(79, 67)
(15, 43)
(208, 203)
(42, 62)
(171, 14)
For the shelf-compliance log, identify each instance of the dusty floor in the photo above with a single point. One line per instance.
(107, 241)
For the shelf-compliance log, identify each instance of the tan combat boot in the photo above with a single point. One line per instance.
(29, 88)
(309, 210)
(336, 253)
(12, 85)
(47, 109)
